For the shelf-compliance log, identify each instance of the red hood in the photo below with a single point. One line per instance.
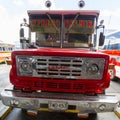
(59, 52)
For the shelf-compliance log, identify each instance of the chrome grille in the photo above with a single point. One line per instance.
(59, 67)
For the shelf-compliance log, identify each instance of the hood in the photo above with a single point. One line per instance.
(59, 52)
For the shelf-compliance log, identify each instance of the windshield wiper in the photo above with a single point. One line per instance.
(52, 23)
(73, 22)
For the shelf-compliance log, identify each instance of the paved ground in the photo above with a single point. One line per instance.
(4, 68)
(4, 76)
(114, 88)
(16, 114)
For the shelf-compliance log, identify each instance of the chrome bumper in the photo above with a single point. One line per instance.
(59, 101)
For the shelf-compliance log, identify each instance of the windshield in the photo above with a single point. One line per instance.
(65, 31)
(69, 40)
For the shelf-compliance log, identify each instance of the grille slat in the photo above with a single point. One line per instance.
(59, 67)
(59, 85)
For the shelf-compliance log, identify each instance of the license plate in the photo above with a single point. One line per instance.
(57, 106)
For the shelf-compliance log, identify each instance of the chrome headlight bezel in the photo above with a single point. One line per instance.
(94, 68)
(24, 65)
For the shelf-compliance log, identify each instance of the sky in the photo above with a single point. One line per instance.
(12, 13)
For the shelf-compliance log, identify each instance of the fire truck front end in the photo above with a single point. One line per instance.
(62, 71)
(60, 80)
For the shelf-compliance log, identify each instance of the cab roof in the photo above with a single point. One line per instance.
(94, 13)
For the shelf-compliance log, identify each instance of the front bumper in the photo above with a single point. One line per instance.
(64, 102)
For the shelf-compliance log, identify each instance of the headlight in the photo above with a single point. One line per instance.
(93, 68)
(24, 65)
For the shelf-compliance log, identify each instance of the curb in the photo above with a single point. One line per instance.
(4, 111)
(117, 112)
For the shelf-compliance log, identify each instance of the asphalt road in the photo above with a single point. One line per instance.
(114, 88)
(17, 114)
(4, 76)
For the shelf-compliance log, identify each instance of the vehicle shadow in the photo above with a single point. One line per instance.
(18, 114)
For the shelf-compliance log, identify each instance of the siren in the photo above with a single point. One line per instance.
(81, 3)
(48, 3)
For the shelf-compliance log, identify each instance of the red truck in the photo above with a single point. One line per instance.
(62, 71)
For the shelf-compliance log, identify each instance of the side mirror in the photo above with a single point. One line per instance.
(21, 32)
(101, 39)
(22, 38)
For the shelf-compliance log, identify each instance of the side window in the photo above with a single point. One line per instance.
(115, 46)
(3, 48)
(109, 47)
(118, 59)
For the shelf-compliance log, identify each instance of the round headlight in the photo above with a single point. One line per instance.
(26, 66)
(93, 69)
